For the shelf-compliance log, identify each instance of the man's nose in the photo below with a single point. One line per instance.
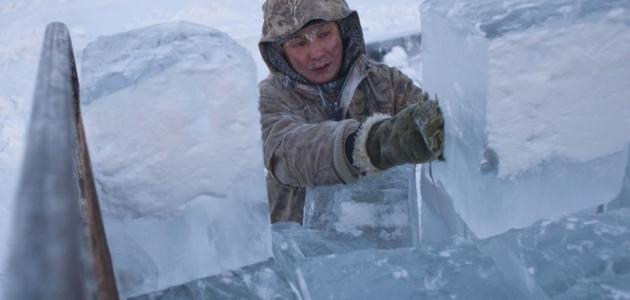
(317, 51)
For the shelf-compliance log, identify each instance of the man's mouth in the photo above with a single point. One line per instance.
(322, 69)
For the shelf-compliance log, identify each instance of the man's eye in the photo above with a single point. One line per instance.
(297, 44)
(324, 34)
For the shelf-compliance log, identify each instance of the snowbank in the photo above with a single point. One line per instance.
(537, 105)
(173, 129)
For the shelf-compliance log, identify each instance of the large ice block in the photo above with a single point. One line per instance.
(172, 124)
(381, 208)
(537, 103)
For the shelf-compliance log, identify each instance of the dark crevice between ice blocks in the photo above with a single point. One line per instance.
(438, 216)
(623, 199)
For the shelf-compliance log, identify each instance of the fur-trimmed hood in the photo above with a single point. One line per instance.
(285, 17)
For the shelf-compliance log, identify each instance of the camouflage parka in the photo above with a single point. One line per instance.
(303, 139)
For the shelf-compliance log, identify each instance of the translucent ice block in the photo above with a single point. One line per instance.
(380, 208)
(537, 105)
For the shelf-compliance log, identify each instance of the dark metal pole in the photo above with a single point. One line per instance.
(59, 250)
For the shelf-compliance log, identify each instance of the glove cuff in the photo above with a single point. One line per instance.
(360, 154)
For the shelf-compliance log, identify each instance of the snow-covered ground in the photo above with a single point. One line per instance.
(22, 25)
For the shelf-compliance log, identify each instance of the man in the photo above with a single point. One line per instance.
(325, 108)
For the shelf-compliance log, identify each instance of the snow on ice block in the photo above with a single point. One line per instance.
(173, 128)
(582, 256)
(537, 102)
(381, 208)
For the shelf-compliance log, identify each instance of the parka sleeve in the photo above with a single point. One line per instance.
(406, 92)
(300, 154)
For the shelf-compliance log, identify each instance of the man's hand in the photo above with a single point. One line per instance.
(414, 135)
(430, 123)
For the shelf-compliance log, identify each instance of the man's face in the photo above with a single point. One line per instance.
(316, 52)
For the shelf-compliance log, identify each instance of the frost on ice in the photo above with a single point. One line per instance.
(537, 105)
(172, 122)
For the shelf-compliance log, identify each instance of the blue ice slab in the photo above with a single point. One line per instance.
(264, 280)
(576, 257)
(582, 256)
(450, 269)
(332, 265)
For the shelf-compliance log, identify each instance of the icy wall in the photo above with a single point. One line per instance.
(580, 256)
(173, 129)
(537, 102)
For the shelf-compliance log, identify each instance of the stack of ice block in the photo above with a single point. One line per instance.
(316, 264)
(581, 256)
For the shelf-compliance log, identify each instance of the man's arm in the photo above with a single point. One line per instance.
(300, 154)
(406, 92)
